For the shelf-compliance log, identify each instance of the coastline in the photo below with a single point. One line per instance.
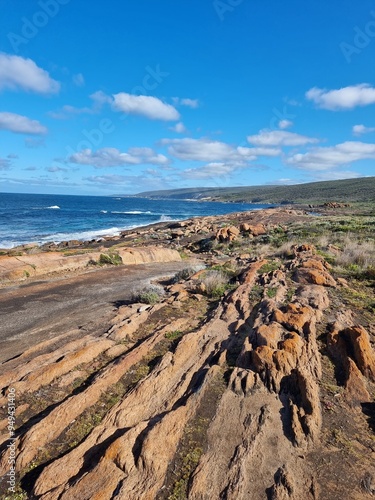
(42, 219)
(242, 315)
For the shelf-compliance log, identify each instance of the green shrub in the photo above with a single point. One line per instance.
(113, 259)
(271, 292)
(272, 265)
(216, 283)
(150, 294)
(176, 334)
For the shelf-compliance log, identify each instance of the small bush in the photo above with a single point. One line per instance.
(187, 273)
(113, 259)
(271, 292)
(150, 294)
(216, 283)
(272, 265)
(176, 334)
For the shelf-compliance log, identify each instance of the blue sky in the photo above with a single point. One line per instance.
(103, 97)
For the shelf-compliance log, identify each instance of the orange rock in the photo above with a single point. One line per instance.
(256, 230)
(269, 335)
(363, 353)
(314, 276)
(313, 264)
(295, 316)
(227, 234)
(262, 358)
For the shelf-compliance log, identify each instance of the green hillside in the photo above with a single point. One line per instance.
(348, 190)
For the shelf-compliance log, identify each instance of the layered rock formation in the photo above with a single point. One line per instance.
(255, 395)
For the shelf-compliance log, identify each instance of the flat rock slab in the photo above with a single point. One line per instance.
(33, 312)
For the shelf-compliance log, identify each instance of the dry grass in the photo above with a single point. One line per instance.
(357, 253)
(215, 283)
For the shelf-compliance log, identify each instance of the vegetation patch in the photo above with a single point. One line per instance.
(193, 443)
(113, 259)
(149, 294)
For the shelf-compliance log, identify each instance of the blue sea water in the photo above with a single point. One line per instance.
(26, 218)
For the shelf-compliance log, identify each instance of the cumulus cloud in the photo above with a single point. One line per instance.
(209, 171)
(99, 99)
(255, 152)
(198, 149)
(190, 103)
(321, 159)
(179, 128)
(278, 138)
(283, 124)
(207, 150)
(20, 124)
(144, 105)
(112, 157)
(18, 73)
(342, 99)
(361, 129)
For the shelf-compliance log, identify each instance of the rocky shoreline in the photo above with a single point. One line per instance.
(246, 369)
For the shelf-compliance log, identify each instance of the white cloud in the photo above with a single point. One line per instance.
(20, 124)
(336, 175)
(19, 73)
(201, 150)
(255, 152)
(361, 129)
(207, 150)
(209, 171)
(190, 103)
(99, 99)
(56, 169)
(108, 179)
(179, 128)
(79, 80)
(143, 105)
(271, 138)
(282, 182)
(112, 157)
(345, 98)
(321, 159)
(283, 124)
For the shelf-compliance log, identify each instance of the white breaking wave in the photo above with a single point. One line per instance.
(81, 235)
(54, 207)
(103, 211)
(132, 212)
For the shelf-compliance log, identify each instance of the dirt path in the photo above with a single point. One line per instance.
(32, 312)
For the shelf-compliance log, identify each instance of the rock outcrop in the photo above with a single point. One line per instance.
(216, 399)
(15, 268)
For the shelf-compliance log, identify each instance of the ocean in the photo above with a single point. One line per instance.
(39, 218)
